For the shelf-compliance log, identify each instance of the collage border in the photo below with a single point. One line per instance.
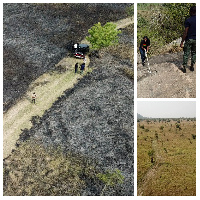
(197, 100)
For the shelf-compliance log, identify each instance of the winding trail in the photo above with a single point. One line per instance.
(151, 172)
(48, 88)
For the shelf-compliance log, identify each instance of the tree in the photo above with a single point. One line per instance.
(103, 36)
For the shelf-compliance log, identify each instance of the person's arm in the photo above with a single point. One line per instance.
(184, 36)
(148, 48)
(148, 45)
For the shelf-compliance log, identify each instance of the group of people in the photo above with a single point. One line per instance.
(189, 37)
(82, 68)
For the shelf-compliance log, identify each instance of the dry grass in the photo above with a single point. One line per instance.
(174, 168)
(33, 170)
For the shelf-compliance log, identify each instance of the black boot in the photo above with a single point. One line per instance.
(191, 68)
(184, 69)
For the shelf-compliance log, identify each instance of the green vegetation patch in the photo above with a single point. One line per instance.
(162, 23)
(103, 36)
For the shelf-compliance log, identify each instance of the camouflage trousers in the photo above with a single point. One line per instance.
(189, 46)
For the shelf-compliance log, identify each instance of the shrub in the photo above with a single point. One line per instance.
(178, 126)
(161, 128)
(142, 126)
(193, 136)
(103, 36)
(156, 136)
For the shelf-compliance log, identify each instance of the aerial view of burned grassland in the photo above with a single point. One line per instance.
(166, 149)
(68, 99)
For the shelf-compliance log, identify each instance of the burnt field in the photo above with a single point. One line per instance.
(36, 36)
(94, 121)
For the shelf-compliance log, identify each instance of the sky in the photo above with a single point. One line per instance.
(166, 109)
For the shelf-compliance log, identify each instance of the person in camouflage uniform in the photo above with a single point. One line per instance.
(189, 36)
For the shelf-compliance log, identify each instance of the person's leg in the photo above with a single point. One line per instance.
(186, 49)
(193, 54)
(142, 52)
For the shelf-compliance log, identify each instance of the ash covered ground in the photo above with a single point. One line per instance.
(36, 36)
(96, 120)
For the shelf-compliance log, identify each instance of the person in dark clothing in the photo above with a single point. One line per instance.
(82, 68)
(144, 46)
(33, 97)
(189, 36)
(76, 68)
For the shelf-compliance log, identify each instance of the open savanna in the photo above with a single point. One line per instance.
(166, 157)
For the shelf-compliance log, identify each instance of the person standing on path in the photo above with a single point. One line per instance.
(82, 68)
(33, 97)
(189, 36)
(76, 68)
(144, 46)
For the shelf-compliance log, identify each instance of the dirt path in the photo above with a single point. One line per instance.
(166, 80)
(151, 172)
(48, 88)
(124, 22)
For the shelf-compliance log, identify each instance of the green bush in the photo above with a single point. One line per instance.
(163, 23)
(178, 126)
(103, 36)
(173, 22)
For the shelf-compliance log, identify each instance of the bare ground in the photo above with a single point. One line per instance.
(165, 78)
